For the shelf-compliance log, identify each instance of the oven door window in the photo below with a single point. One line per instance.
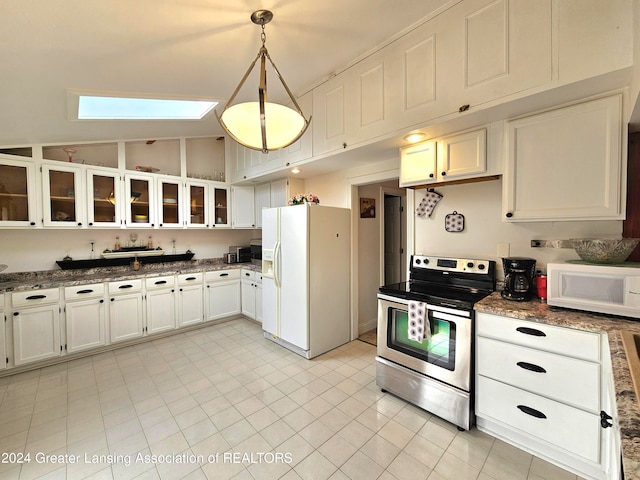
(439, 349)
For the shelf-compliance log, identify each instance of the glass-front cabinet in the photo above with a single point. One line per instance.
(63, 196)
(17, 193)
(170, 211)
(139, 200)
(104, 198)
(197, 201)
(220, 201)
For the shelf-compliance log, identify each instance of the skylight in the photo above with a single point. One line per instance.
(123, 108)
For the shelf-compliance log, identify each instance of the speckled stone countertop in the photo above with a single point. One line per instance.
(627, 404)
(23, 281)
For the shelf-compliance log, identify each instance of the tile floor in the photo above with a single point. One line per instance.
(183, 406)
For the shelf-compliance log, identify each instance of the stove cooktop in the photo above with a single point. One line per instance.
(434, 294)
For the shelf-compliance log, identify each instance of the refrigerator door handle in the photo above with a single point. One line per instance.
(276, 264)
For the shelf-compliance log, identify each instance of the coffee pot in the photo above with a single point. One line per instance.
(519, 273)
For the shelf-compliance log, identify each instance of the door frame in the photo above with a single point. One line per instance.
(396, 192)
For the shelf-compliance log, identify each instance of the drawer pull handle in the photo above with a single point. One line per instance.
(125, 286)
(531, 331)
(36, 297)
(531, 411)
(531, 367)
(604, 419)
(83, 292)
(224, 274)
(160, 282)
(190, 279)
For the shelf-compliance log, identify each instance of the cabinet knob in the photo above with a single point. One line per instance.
(604, 419)
(32, 223)
(443, 174)
(101, 301)
(15, 314)
(79, 224)
(91, 224)
(431, 175)
(509, 215)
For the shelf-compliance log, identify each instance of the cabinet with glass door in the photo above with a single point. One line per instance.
(197, 201)
(170, 210)
(63, 194)
(104, 198)
(220, 200)
(140, 200)
(18, 206)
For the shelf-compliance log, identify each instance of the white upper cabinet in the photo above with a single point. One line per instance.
(141, 202)
(104, 198)
(566, 164)
(64, 194)
(455, 157)
(243, 213)
(18, 197)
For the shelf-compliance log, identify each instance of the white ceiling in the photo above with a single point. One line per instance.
(184, 48)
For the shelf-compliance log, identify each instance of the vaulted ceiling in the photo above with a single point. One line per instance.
(178, 48)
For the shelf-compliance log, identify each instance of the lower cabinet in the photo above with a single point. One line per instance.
(223, 294)
(36, 325)
(190, 299)
(540, 387)
(160, 302)
(85, 317)
(3, 353)
(125, 310)
(252, 294)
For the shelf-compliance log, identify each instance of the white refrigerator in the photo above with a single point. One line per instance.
(306, 277)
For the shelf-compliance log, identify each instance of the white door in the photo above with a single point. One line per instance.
(248, 299)
(190, 301)
(223, 299)
(161, 314)
(270, 290)
(85, 324)
(36, 334)
(294, 290)
(125, 317)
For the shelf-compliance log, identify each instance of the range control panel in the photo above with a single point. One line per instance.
(462, 265)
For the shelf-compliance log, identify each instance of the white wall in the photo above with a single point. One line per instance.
(34, 250)
(484, 228)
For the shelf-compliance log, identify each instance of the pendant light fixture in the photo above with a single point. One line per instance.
(262, 125)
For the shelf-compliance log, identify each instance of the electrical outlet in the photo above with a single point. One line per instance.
(504, 250)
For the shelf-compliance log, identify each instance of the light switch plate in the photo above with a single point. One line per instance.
(504, 250)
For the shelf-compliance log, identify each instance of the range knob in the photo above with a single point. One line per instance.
(418, 261)
(481, 266)
(470, 265)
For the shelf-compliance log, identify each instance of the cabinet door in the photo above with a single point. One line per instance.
(63, 196)
(36, 334)
(161, 310)
(329, 113)
(197, 204)
(262, 201)
(190, 305)
(104, 199)
(18, 207)
(258, 317)
(220, 201)
(3, 351)
(85, 321)
(462, 156)
(223, 299)
(140, 200)
(125, 317)
(243, 207)
(248, 298)
(170, 201)
(418, 164)
(574, 174)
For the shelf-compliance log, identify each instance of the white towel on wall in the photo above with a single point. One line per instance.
(419, 327)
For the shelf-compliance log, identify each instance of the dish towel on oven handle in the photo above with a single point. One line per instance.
(419, 327)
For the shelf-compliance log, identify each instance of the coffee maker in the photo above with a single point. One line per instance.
(519, 273)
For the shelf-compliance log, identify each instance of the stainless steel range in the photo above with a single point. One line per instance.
(425, 334)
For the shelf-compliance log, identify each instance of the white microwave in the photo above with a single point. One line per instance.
(614, 290)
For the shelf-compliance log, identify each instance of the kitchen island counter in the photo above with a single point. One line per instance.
(627, 404)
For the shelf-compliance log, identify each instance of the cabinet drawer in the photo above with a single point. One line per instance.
(248, 274)
(190, 278)
(155, 283)
(217, 275)
(35, 297)
(566, 427)
(565, 379)
(565, 341)
(80, 292)
(125, 286)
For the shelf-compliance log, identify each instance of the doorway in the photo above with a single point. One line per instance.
(393, 238)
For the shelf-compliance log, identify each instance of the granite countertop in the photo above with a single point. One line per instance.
(24, 281)
(627, 403)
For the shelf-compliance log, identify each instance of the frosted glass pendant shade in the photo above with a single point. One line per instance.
(283, 125)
